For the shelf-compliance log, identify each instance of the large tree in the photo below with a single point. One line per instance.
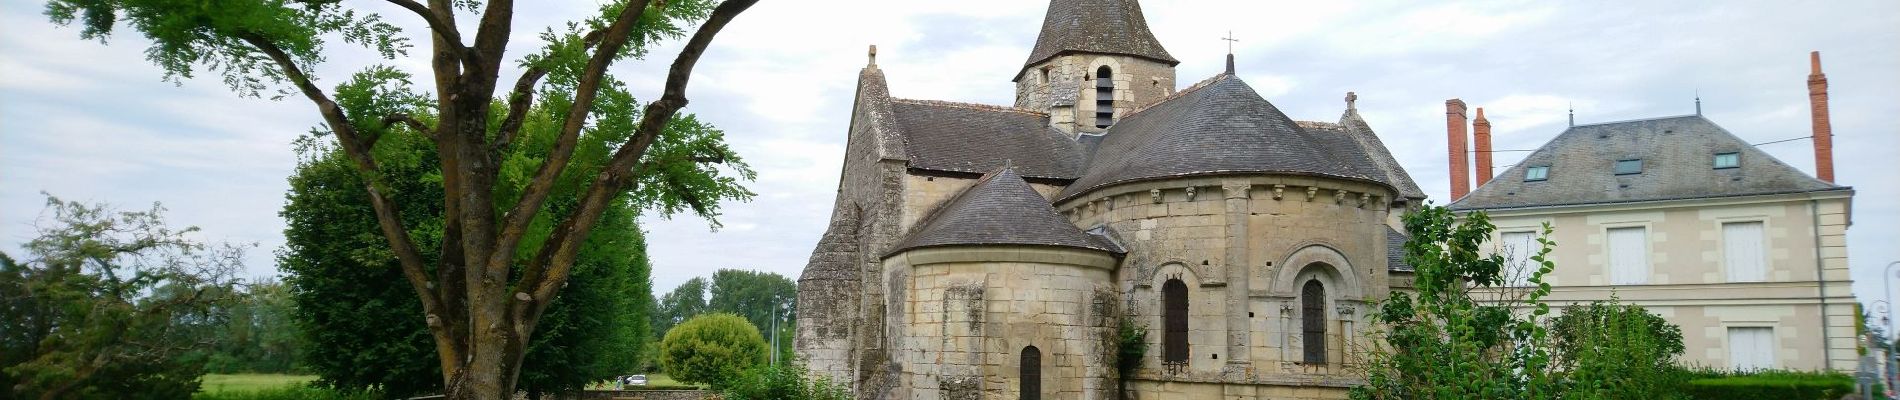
(480, 316)
(346, 282)
(111, 305)
(681, 304)
(765, 299)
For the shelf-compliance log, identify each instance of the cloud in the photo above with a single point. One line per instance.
(92, 121)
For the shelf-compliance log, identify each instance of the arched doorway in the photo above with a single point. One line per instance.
(1031, 374)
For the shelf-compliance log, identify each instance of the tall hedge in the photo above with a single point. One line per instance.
(1771, 388)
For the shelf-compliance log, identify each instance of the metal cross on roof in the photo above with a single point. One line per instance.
(1230, 41)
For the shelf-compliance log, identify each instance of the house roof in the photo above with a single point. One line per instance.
(1000, 209)
(1356, 141)
(977, 138)
(1677, 156)
(1219, 126)
(1096, 26)
(1395, 251)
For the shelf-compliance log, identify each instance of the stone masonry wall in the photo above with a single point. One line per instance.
(1254, 238)
(1070, 82)
(969, 321)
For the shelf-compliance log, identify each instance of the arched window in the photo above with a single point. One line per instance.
(1313, 321)
(1104, 97)
(1174, 316)
(1031, 374)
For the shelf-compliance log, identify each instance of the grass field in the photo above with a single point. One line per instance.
(221, 383)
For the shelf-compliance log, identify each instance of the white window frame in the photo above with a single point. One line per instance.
(1735, 271)
(1646, 267)
(1544, 174)
(1736, 156)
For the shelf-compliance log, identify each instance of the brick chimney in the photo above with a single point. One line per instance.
(1481, 136)
(1455, 148)
(1823, 131)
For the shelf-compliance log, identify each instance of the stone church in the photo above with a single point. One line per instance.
(994, 252)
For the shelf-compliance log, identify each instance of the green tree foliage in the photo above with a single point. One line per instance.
(1609, 350)
(785, 381)
(109, 305)
(681, 304)
(1468, 335)
(760, 297)
(486, 274)
(347, 283)
(259, 335)
(711, 349)
(1445, 343)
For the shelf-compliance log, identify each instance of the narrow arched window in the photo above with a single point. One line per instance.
(1313, 321)
(1104, 97)
(1031, 374)
(1174, 316)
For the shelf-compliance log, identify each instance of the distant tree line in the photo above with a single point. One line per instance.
(751, 295)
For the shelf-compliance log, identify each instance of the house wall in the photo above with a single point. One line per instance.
(1688, 284)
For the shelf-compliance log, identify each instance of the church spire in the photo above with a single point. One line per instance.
(1096, 26)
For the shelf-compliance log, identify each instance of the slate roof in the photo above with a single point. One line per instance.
(1356, 141)
(975, 138)
(1096, 26)
(1000, 209)
(1678, 163)
(1219, 126)
(1395, 251)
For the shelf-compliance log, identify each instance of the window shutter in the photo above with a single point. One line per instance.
(1742, 252)
(1518, 248)
(1629, 256)
(1751, 348)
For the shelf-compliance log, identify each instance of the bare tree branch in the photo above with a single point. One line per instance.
(518, 103)
(409, 121)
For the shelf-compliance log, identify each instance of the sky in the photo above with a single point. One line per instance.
(89, 121)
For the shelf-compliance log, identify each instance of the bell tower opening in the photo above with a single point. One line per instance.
(1104, 97)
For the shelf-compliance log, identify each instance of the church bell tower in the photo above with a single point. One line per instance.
(1094, 61)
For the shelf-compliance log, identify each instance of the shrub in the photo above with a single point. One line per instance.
(782, 382)
(711, 349)
(1772, 386)
(1612, 350)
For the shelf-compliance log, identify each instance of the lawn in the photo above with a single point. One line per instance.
(221, 383)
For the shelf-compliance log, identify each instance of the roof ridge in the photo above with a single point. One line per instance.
(1197, 86)
(1317, 124)
(1635, 120)
(968, 106)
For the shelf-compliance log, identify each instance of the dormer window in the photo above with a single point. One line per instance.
(1538, 173)
(1728, 160)
(1104, 97)
(1629, 167)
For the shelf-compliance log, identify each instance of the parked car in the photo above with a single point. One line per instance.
(633, 380)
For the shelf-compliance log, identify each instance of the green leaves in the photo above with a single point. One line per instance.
(111, 304)
(711, 349)
(190, 35)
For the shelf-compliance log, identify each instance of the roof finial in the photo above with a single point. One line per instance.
(873, 54)
(1230, 51)
(1698, 102)
(1573, 114)
(1351, 98)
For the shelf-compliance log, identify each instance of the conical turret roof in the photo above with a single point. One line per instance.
(1000, 209)
(1096, 26)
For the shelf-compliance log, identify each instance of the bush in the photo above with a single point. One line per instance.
(782, 382)
(1772, 386)
(711, 349)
